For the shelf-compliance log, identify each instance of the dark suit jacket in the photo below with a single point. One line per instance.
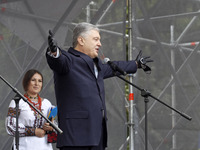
(81, 96)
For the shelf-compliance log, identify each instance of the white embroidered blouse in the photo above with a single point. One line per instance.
(27, 123)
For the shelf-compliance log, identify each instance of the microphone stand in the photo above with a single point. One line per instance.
(146, 94)
(17, 98)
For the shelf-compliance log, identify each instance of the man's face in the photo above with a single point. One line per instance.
(91, 43)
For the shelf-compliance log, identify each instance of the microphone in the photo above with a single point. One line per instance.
(114, 66)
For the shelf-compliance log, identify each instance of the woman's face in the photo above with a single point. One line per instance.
(35, 84)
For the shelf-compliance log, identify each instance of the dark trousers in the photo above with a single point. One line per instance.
(101, 146)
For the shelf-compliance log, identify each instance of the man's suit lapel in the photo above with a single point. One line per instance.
(90, 63)
(85, 57)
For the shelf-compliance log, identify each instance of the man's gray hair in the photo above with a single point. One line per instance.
(80, 30)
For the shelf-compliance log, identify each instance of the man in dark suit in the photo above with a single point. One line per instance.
(79, 89)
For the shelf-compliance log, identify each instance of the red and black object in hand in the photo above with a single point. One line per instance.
(52, 137)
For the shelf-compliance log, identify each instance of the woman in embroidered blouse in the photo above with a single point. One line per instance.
(32, 127)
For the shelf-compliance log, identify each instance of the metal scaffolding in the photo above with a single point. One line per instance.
(168, 31)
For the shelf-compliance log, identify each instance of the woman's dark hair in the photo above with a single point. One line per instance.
(27, 78)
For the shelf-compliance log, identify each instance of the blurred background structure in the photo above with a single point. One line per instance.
(166, 30)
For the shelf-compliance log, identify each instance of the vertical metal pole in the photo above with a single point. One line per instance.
(88, 13)
(131, 96)
(173, 90)
(146, 123)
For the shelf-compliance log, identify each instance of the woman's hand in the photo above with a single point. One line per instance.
(47, 127)
(39, 132)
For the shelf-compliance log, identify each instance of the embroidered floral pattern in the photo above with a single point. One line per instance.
(29, 131)
(12, 112)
